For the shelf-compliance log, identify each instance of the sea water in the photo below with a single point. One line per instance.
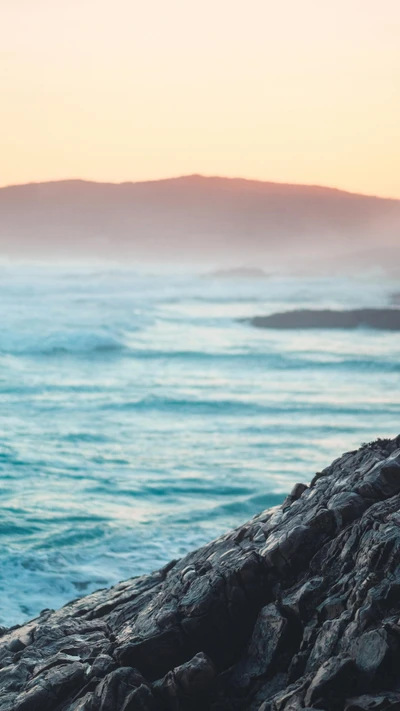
(141, 416)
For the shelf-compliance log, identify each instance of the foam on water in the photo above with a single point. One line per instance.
(140, 417)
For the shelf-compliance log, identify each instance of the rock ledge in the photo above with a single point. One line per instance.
(297, 609)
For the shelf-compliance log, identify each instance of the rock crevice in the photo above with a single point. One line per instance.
(297, 609)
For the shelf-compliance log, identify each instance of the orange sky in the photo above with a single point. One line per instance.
(297, 90)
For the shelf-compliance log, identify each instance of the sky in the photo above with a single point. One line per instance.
(300, 91)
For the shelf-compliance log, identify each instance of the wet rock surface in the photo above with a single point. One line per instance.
(297, 609)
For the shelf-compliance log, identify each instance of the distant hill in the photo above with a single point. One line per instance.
(228, 222)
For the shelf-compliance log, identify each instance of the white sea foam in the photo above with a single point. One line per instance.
(140, 416)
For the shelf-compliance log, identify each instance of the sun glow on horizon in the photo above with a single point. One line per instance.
(303, 93)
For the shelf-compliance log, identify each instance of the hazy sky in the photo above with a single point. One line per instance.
(290, 90)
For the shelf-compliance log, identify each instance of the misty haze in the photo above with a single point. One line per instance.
(230, 222)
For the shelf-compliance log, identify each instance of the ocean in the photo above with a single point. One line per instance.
(141, 416)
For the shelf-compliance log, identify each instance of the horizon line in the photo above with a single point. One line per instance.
(202, 176)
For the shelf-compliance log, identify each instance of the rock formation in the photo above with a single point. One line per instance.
(299, 608)
(384, 319)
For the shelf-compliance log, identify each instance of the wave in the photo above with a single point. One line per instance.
(75, 342)
(239, 509)
(271, 360)
(234, 407)
(220, 299)
(83, 344)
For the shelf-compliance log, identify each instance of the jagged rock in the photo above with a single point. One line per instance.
(187, 686)
(297, 609)
(334, 680)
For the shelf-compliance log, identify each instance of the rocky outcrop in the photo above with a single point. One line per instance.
(299, 608)
(384, 319)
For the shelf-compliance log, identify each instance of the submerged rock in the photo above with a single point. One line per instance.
(384, 319)
(299, 608)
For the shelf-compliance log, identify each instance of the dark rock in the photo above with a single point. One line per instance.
(102, 665)
(295, 494)
(334, 680)
(380, 702)
(268, 635)
(187, 686)
(117, 689)
(370, 650)
(297, 609)
(385, 319)
(50, 687)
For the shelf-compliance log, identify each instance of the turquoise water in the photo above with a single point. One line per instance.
(140, 417)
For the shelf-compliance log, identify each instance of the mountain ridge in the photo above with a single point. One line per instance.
(198, 218)
(199, 177)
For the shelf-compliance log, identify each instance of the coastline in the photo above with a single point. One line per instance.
(298, 608)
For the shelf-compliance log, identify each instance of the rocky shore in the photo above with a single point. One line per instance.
(297, 609)
(383, 319)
